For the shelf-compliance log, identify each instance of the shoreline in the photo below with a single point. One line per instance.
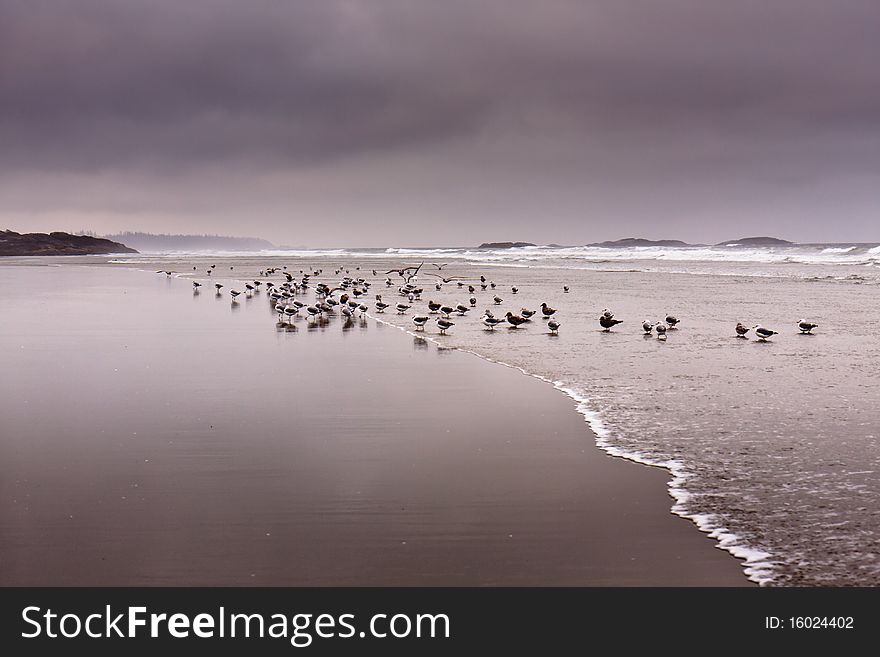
(755, 564)
(714, 566)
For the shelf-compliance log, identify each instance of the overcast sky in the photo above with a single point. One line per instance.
(407, 122)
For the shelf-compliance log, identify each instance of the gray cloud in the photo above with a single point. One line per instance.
(601, 117)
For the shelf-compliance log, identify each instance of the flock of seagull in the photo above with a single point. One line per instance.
(350, 294)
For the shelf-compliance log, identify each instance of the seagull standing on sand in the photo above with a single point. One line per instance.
(234, 293)
(525, 312)
(553, 325)
(420, 321)
(741, 330)
(444, 324)
(491, 322)
(515, 320)
(498, 300)
(661, 330)
(546, 310)
(607, 323)
(648, 327)
(672, 320)
(807, 327)
(763, 333)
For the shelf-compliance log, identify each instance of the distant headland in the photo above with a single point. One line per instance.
(504, 245)
(57, 243)
(639, 241)
(635, 242)
(757, 241)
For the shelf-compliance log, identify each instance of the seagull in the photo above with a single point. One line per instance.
(515, 320)
(402, 308)
(661, 330)
(648, 327)
(473, 301)
(741, 330)
(491, 322)
(250, 288)
(290, 312)
(196, 285)
(446, 310)
(498, 301)
(234, 293)
(218, 286)
(672, 320)
(514, 289)
(807, 327)
(607, 322)
(492, 284)
(471, 289)
(553, 325)
(420, 321)
(763, 333)
(444, 324)
(380, 307)
(547, 310)
(445, 280)
(434, 307)
(565, 289)
(525, 312)
(313, 311)
(462, 309)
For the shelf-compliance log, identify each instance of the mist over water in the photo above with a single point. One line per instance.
(774, 445)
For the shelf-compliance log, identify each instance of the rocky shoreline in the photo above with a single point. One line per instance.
(57, 243)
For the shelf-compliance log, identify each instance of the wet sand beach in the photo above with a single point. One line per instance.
(153, 436)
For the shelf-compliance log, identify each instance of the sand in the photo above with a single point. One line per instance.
(152, 436)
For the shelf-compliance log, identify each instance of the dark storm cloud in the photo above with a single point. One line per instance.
(725, 100)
